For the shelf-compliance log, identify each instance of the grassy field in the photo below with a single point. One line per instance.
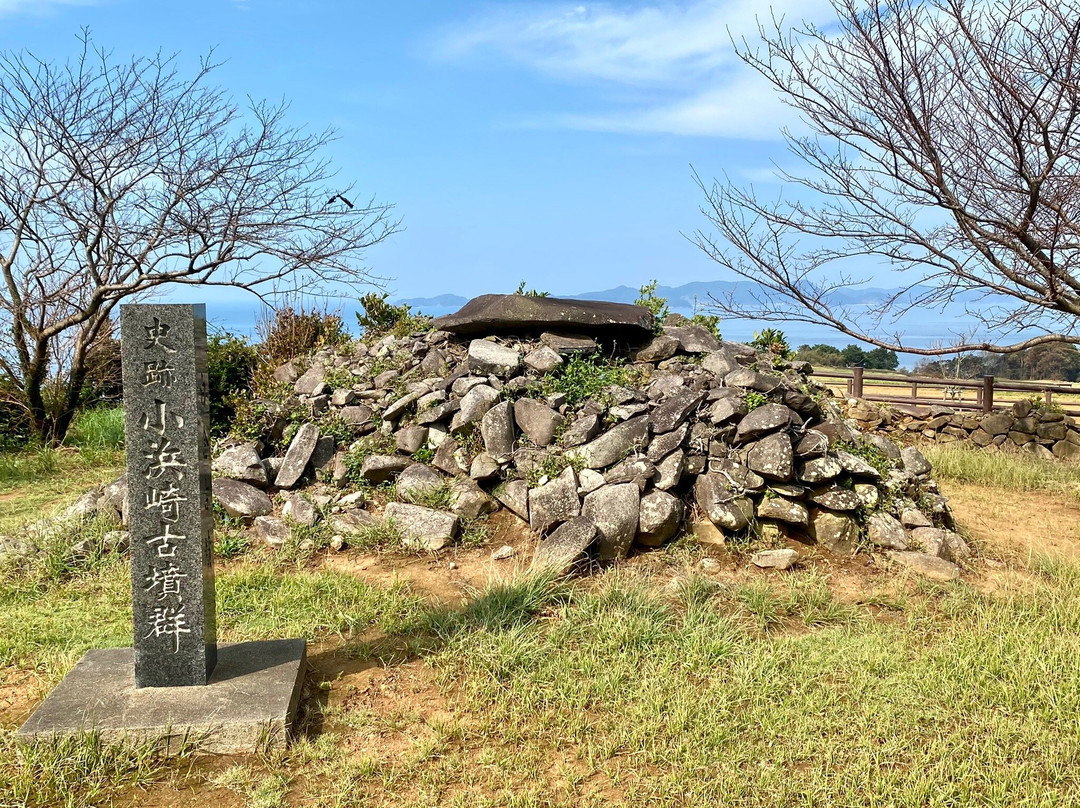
(647, 684)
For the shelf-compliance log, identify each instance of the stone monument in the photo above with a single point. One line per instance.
(176, 684)
(166, 417)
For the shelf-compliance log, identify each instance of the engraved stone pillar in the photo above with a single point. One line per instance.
(166, 425)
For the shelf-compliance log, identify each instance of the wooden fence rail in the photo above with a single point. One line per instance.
(944, 391)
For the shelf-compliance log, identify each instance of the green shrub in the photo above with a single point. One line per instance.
(231, 363)
(521, 290)
(773, 341)
(648, 298)
(709, 321)
(380, 317)
(584, 377)
(15, 426)
(754, 400)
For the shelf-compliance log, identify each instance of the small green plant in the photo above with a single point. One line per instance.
(773, 341)
(425, 454)
(381, 317)
(1039, 404)
(709, 321)
(521, 290)
(231, 363)
(583, 377)
(648, 299)
(377, 443)
(754, 400)
(439, 497)
(553, 464)
(872, 455)
(229, 544)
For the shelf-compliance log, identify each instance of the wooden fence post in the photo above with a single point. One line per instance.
(856, 382)
(988, 394)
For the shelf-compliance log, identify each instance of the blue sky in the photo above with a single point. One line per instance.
(550, 142)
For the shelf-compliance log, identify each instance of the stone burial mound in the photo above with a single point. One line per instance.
(602, 436)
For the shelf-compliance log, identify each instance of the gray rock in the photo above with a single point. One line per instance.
(772, 457)
(313, 382)
(783, 510)
(914, 461)
(720, 363)
(297, 456)
(913, 518)
(568, 344)
(497, 430)
(636, 470)
(662, 445)
(343, 397)
(883, 445)
(468, 501)
(932, 567)
(868, 495)
(835, 498)
(323, 453)
(474, 405)
(727, 409)
(813, 444)
(515, 496)
(613, 445)
(885, 531)
(490, 314)
(659, 517)
(423, 528)
(735, 476)
(241, 463)
(299, 509)
(352, 521)
(543, 360)
(582, 430)
(483, 467)
(487, 358)
(675, 410)
(537, 420)
(669, 470)
(775, 559)
(658, 349)
(724, 509)
(356, 415)
(820, 469)
(434, 363)
(411, 438)
(273, 531)
(241, 500)
(941, 543)
(589, 480)
(614, 509)
(398, 407)
(503, 553)
(417, 481)
(565, 547)
(286, 373)
(997, 423)
(380, 468)
(440, 412)
(836, 532)
(765, 419)
(693, 338)
(752, 380)
(856, 466)
(554, 502)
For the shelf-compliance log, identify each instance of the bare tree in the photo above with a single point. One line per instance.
(944, 145)
(120, 177)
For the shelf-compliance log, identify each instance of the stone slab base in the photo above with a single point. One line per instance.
(248, 706)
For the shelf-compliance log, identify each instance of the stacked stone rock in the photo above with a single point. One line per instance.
(708, 430)
(1045, 432)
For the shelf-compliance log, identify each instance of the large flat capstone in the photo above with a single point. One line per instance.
(518, 314)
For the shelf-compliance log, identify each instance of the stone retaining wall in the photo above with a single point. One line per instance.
(1043, 431)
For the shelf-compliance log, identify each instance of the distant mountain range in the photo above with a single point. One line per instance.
(685, 299)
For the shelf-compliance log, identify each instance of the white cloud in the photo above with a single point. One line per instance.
(680, 56)
(11, 7)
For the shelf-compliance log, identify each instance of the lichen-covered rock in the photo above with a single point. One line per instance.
(885, 531)
(423, 528)
(775, 559)
(240, 499)
(417, 481)
(487, 358)
(537, 420)
(783, 510)
(497, 429)
(469, 501)
(241, 463)
(836, 532)
(675, 410)
(772, 457)
(297, 456)
(914, 461)
(725, 509)
(614, 509)
(474, 405)
(613, 445)
(515, 496)
(763, 420)
(273, 531)
(554, 502)
(565, 547)
(659, 517)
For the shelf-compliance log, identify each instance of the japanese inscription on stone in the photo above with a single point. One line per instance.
(166, 417)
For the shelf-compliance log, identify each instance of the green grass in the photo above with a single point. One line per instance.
(1015, 471)
(99, 428)
(35, 483)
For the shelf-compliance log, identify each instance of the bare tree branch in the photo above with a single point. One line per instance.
(117, 178)
(946, 147)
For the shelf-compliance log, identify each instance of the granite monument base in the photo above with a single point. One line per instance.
(248, 706)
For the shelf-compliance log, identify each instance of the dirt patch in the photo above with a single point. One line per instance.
(1017, 526)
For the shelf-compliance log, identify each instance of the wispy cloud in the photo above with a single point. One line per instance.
(679, 57)
(12, 7)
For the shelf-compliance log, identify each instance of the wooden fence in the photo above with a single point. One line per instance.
(960, 394)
